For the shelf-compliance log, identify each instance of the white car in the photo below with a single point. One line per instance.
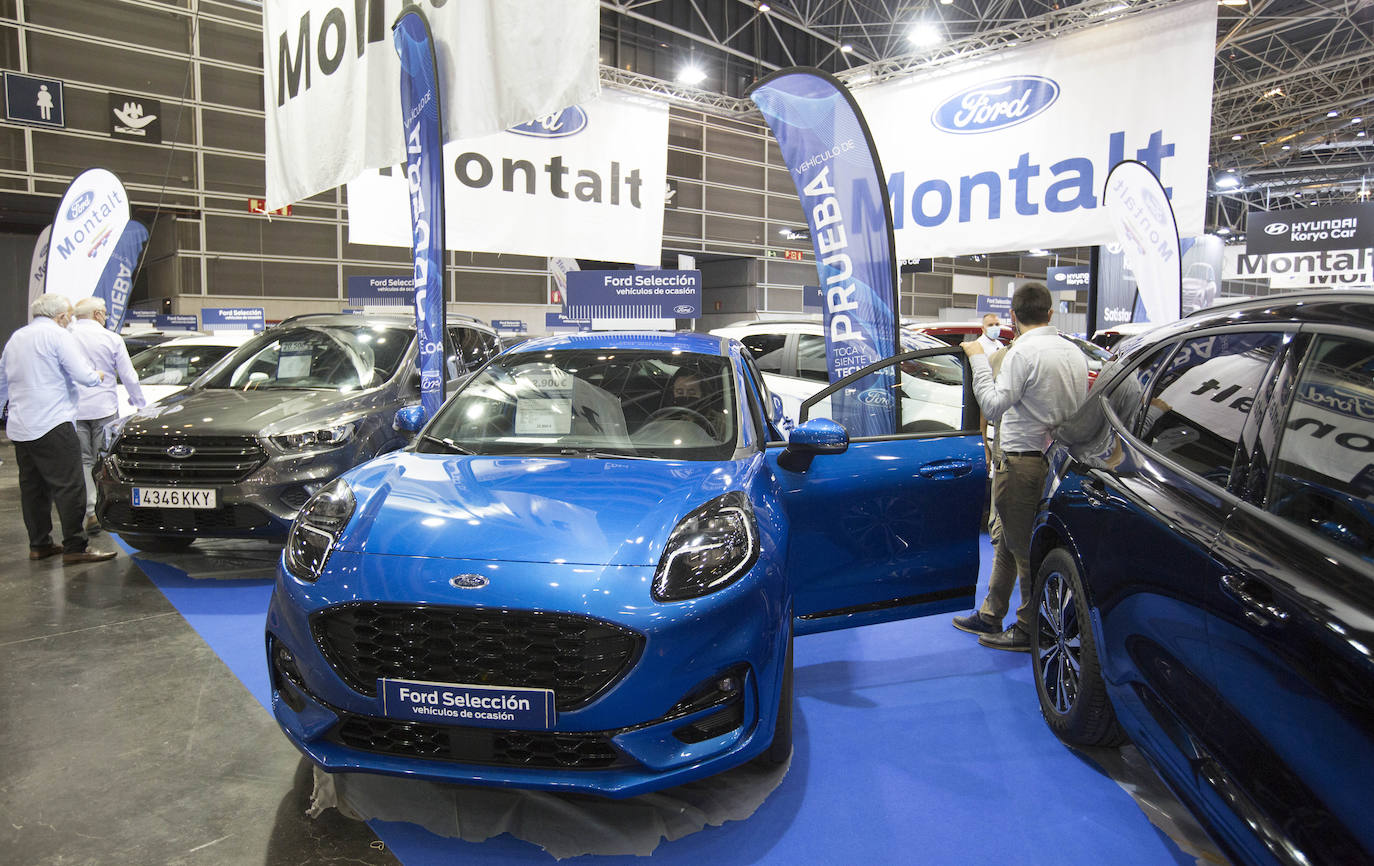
(165, 369)
(791, 356)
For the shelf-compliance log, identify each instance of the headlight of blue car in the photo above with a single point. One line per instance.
(316, 528)
(708, 550)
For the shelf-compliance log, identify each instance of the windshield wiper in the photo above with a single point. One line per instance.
(453, 447)
(602, 455)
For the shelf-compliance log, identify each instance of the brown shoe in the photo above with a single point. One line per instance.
(87, 556)
(45, 551)
(92, 525)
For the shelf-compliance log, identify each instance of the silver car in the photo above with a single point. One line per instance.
(238, 452)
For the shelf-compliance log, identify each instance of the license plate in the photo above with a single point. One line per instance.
(175, 497)
(509, 707)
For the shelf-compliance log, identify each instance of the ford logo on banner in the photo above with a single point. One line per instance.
(876, 397)
(1158, 212)
(684, 309)
(996, 104)
(569, 121)
(1276, 228)
(79, 206)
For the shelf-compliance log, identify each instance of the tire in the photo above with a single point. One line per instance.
(780, 750)
(158, 543)
(1068, 676)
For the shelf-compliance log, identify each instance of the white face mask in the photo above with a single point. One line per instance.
(993, 331)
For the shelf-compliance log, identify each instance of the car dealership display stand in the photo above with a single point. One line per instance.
(564, 825)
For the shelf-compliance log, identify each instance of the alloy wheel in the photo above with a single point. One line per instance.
(1059, 643)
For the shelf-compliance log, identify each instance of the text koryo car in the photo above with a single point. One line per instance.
(585, 573)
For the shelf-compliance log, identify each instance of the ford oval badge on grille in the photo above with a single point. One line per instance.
(469, 581)
(180, 452)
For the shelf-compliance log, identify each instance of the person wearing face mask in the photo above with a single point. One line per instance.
(40, 369)
(990, 339)
(1042, 381)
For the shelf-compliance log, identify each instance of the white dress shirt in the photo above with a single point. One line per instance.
(39, 372)
(1043, 380)
(989, 344)
(106, 352)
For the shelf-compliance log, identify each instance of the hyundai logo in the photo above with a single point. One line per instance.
(875, 397)
(180, 452)
(684, 309)
(469, 581)
(1059, 276)
(569, 121)
(79, 206)
(1276, 229)
(996, 104)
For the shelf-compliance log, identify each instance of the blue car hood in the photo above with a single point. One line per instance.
(528, 509)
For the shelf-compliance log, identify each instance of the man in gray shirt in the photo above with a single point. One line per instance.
(1042, 381)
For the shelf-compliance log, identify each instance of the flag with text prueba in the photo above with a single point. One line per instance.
(88, 225)
(330, 84)
(117, 280)
(1143, 219)
(825, 142)
(421, 113)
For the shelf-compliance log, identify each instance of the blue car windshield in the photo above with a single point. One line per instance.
(593, 402)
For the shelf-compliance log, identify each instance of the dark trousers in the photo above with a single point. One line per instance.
(50, 472)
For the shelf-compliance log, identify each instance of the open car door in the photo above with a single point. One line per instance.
(885, 527)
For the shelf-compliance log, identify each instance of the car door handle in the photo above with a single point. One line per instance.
(1255, 597)
(946, 469)
(1094, 491)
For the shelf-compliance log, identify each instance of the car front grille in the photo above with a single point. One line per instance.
(577, 657)
(537, 749)
(124, 517)
(145, 458)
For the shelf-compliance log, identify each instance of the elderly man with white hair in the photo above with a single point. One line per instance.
(40, 369)
(98, 406)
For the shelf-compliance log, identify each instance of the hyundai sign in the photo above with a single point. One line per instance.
(1346, 226)
(656, 294)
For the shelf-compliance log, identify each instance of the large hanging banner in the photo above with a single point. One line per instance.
(1138, 212)
(828, 150)
(88, 224)
(330, 86)
(587, 183)
(1010, 153)
(425, 181)
(38, 265)
(117, 280)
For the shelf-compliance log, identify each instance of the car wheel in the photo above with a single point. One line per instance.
(780, 749)
(1068, 678)
(158, 543)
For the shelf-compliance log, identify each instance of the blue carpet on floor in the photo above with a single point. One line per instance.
(913, 745)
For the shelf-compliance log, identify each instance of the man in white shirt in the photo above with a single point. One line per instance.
(1042, 381)
(98, 406)
(40, 369)
(990, 339)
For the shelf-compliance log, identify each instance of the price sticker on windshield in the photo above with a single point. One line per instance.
(293, 360)
(540, 416)
(549, 381)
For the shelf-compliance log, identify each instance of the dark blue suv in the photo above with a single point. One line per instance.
(1205, 571)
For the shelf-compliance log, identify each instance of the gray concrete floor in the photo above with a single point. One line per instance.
(126, 740)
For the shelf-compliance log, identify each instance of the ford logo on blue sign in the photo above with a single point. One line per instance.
(79, 206)
(569, 121)
(876, 397)
(995, 104)
(684, 309)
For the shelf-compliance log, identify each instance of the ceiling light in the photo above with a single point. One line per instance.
(690, 75)
(1231, 2)
(764, 7)
(1287, 147)
(1277, 91)
(1223, 231)
(846, 48)
(1039, 252)
(1335, 112)
(1237, 137)
(946, 2)
(925, 34)
(1360, 134)
(1228, 181)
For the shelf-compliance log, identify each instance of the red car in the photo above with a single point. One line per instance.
(955, 333)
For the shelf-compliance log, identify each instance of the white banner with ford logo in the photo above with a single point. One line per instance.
(331, 80)
(1012, 153)
(587, 183)
(89, 222)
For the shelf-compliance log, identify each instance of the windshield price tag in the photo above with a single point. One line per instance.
(509, 707)
(293, 360)
(549, 381)
(537, 416)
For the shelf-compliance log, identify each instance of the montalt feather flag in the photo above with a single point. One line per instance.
(1143, 218)
(38, 265)
(88, 224)
(828, 150)
(329, 84)
(420, 112)
(117, 280)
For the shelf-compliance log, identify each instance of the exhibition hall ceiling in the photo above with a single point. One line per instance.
(1293, 78)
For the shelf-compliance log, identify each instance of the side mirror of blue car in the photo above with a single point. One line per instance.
(409, 419)
(816, 436)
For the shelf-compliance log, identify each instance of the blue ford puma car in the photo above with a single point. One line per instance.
(586, 571)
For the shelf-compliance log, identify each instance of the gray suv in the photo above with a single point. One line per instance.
(237, 453)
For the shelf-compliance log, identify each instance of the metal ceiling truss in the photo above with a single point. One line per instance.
(1293, 78)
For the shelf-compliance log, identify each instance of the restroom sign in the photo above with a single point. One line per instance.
(33, 100)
